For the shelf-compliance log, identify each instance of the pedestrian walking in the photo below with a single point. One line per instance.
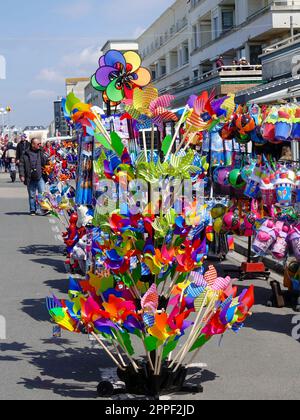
(2, 164)
(31, 168)
(22, 147)
(13, 170)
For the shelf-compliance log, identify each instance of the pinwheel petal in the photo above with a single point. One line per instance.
(102, 75)
(133, 59)
(96, 85)
(113, 57)
(113, 93)
(143, 77)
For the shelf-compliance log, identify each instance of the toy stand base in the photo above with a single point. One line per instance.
(251, 271)
(280, 299)
(144, 383)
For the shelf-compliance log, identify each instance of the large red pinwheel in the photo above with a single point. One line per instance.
(119, 75)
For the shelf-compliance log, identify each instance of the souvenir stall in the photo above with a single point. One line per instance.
(144, 243)
(262, 183)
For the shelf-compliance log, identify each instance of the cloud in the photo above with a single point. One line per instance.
(42, 94)
(138, 32)
(82, 59)
(75, 9)
(50, 75)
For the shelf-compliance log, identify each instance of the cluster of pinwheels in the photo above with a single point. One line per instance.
(103, 307)
(58, 199)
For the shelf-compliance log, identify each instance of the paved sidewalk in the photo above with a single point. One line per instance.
(262, 362)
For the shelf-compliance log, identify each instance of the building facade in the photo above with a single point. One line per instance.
(77, 85)
(39, 132)
(182, 46)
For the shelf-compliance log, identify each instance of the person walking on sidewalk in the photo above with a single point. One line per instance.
(22, 147)
(31, 168)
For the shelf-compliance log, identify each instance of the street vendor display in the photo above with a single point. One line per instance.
(143, 244)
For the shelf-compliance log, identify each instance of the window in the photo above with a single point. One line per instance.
(216, 26)
(227, 20)
(195, 37)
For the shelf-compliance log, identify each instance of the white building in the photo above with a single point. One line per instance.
(182, 46)
(38, 132)
(77, 85)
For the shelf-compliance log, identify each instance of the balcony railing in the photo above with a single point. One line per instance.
(225, 71)
(282, 44)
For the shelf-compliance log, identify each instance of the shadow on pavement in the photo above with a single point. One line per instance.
(42, 250)
(77, 370)
(57, 265)
(59, 285)
(277, 323)
(36, 309)
(17, 214)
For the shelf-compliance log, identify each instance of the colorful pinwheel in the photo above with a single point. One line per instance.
(119, 75)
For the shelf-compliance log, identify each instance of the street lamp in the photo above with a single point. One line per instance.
(3, 112)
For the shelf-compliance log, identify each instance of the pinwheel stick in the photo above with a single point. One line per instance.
(148, 355)
(134, 365)
(145, 145)
(184, 139)
(119, 354)
(190, 141)
(152, 142)
(192, 331)
(186, 109)
(195, 332)
(101, 128)
(107, 351)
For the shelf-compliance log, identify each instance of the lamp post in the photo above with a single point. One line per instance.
(3, 112)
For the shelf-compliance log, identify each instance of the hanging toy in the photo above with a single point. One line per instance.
(295, 135)
(294, 241)
(265, 238)
(283, 126)
(255, 134)
(285, 184)
(268, 127)
(253, 184)
(245, 124)
(231, 220)
(236, 180)
(280, 247)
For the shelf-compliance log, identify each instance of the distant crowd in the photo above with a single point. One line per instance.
(13, 151)
(241, 64)
(29, 159)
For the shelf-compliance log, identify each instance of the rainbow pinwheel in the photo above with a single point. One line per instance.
(119, 75)
(147, 107)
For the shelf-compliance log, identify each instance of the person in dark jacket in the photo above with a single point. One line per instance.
(31, 168)
(22, 147)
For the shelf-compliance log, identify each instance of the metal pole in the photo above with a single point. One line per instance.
(292, 27)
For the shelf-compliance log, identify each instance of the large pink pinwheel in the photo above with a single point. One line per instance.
(119, 75)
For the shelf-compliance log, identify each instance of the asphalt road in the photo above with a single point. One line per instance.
(261, 362)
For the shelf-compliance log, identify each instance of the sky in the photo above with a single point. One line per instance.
(44, 42)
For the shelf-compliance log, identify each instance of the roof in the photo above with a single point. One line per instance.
(271, 88)
(74, 80)
(35, 128)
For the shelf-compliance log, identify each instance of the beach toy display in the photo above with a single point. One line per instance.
(284, 125)
(284, 185)
(265, 238)
(294, 241)
(253, 185)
